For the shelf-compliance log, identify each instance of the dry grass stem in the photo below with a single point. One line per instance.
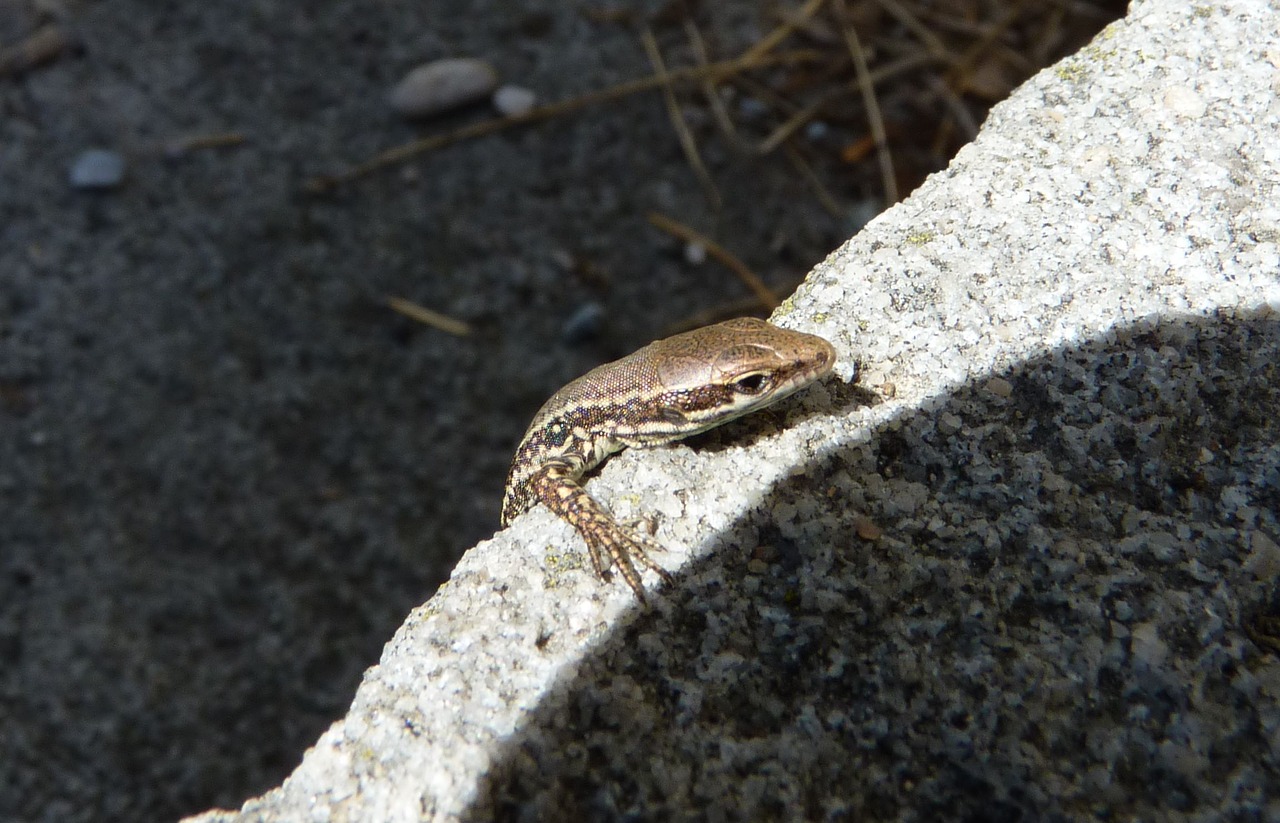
(912, 23)
(874, 119)
(199, 142)
(714, 72)
(925, 73)
(799, 120)
(721, 311)
(687, 144)
(434, 319)
(709, 91)
(960, 114)
(44, 45)
(958, 76)
(773, 38)
(764, 295)
(820, 190)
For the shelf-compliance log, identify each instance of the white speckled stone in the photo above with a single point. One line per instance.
(97, 169)
(442, 85)
(511, 101)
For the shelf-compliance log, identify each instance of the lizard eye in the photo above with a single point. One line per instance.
(751, 384)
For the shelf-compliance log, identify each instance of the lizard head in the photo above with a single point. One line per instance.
(708, 376)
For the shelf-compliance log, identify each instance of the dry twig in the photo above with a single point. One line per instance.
(434, 319)
(977, 49)
(718, 111)
(819, 188)
(764, 295)
(874, 118)
(44, 45)
(721, 311)
(687, 144)
(713, 71)
(198, 142)
(773, 38)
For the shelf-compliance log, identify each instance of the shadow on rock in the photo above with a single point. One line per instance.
(1050, 626)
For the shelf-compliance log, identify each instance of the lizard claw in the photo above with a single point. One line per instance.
(624, 547)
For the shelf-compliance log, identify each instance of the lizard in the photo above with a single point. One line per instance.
(667, 391)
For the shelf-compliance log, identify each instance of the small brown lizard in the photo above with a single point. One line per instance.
(666, 391)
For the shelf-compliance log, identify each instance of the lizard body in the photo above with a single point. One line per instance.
(664, 392)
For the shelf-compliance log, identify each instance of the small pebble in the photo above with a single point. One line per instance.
(817, 130)
(564, 259)
(1263, 561)
(584, 324)
(766, 552)
(97, 169)
(751, 109)
(695, 254)
(513, 101)
(949, 424)
(867, 529)
(441, 85)
(1000, 387)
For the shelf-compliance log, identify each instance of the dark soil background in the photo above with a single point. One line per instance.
(227, 469)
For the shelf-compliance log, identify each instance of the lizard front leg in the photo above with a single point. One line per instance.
(555, 486)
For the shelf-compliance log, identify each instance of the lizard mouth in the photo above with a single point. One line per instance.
(809, 370)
